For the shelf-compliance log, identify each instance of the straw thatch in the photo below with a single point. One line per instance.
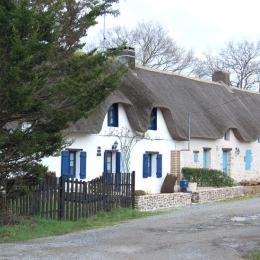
(214, 107)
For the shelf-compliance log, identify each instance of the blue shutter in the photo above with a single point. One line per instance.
(248, 159)
(145, 165)
(65, 163)
(159, 166)
(225, 162)
(83, 161)
(115, 114)
(118, 171)
(195, 156)
(205, 159)
(105, 163)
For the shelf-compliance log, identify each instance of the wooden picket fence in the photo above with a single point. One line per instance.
(72, 199)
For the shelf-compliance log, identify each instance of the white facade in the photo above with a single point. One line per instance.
(157, 141)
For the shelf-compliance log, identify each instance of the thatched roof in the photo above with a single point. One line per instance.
(214, 107)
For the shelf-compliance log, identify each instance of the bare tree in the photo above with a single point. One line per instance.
(241, 59)
(154, 47)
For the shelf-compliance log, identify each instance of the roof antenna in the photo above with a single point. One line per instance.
(104, 33)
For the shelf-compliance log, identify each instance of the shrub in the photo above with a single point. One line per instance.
(207, 177)
(140, 193)
(252, 182)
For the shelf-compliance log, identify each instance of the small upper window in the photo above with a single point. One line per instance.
(258, 139)
(195, 156)
(112, 116)
(153, 120)
(227, 135)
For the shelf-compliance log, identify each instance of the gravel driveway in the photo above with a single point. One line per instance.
(222, 230)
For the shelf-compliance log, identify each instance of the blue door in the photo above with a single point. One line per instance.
(225, 162)
(205, 158)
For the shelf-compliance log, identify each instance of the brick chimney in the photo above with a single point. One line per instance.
(221, 76)
(126, 56)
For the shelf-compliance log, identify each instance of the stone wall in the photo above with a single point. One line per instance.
(162, 201)
(216, 194)
(172, 200)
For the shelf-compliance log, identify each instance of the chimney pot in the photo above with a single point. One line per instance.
(221, 76)
(126, 56)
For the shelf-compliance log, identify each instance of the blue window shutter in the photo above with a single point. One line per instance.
(83, 161)
(159, 166)
(118, 162)
(105, 163)
(65, 163)
(195, 156)
(248, 159)
(118, 171)
(153, 120)
(145, 165)
(115, 114)
(205, 159)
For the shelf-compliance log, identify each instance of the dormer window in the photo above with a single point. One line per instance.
(227, 135)
(258, 140)
(112, 116)
(153, 120)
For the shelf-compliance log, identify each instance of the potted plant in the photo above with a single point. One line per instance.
(192, 185)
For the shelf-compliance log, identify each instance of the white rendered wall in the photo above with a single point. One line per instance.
(158, 141)
(237, 152)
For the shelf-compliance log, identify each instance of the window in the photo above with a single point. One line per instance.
(227, 135)
(152, 165)
(258, 139)
(196, 156)
(153, 120)
(112, 162)
(109, 162)
(206, 158)
(112, 116)
(72, 157)
(73, 163)
(248, 159)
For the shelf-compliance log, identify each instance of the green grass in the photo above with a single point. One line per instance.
(35, 227)
(255, 255)
(238, 198)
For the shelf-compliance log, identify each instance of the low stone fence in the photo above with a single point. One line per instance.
(216, 194)
(162, 201)
(172, 200)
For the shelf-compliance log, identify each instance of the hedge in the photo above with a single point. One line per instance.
(207, 177)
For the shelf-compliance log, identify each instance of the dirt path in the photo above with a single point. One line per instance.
(210, 231)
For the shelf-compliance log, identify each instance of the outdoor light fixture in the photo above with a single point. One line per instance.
(114, 146)
(237, 151)
(98, 151)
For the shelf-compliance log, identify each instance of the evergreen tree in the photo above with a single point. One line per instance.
(44, 86)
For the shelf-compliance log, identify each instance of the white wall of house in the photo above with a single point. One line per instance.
(158, 141)
(237, 152)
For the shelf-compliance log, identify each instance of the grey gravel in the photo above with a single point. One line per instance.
(207, 231)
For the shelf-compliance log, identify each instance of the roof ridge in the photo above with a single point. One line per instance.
(178, 75)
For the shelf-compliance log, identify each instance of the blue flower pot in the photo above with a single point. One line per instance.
(184, 185)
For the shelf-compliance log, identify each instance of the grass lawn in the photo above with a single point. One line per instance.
(253, 256)
(35, 227)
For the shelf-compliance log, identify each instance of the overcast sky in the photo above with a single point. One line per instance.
(202, 25)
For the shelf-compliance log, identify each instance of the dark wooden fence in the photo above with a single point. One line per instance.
(72, 199)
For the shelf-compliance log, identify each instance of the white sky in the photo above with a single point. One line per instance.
(202, 25)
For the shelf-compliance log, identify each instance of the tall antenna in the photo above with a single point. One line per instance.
(104, 33)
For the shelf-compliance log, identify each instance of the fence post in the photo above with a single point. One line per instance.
(133, 189)
(61, 198)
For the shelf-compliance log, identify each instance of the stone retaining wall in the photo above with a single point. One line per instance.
(216, 194)
(162, 201)
(172, 200)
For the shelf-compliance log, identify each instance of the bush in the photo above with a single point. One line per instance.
(140, 193)
(252, 182)
(206, 177)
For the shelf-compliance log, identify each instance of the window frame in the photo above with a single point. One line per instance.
(112, 115)
(74, 153)
(153, 119)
